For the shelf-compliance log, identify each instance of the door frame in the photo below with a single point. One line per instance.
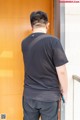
(59, 31)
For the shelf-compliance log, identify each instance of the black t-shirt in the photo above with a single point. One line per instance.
(40, 61)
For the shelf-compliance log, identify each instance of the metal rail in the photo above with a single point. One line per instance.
(75, 77)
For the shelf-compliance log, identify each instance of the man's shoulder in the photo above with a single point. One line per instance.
(52, 38)
(26, 39)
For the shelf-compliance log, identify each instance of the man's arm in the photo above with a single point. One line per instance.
(62, 75)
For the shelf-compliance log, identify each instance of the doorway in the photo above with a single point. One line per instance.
(15, 26)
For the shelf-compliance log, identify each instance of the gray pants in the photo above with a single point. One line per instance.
(33, 109)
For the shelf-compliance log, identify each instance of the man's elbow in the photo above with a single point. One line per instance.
(61, 70)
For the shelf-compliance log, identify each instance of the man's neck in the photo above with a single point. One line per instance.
(37, 30)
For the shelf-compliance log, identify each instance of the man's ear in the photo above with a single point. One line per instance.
(32, 28)
(47, 25)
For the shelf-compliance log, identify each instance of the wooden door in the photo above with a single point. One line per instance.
(14, 27)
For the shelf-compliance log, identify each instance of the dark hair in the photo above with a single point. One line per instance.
(38, 17)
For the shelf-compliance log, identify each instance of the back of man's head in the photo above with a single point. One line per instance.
(38, 19)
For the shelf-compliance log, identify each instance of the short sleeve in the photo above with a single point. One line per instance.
(59, 57)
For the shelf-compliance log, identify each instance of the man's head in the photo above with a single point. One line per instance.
(38, 19)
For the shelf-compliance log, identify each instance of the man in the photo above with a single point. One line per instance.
(45, 71)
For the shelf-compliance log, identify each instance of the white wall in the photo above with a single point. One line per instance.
(72, 48)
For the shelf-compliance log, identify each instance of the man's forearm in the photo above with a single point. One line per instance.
(62, 75)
